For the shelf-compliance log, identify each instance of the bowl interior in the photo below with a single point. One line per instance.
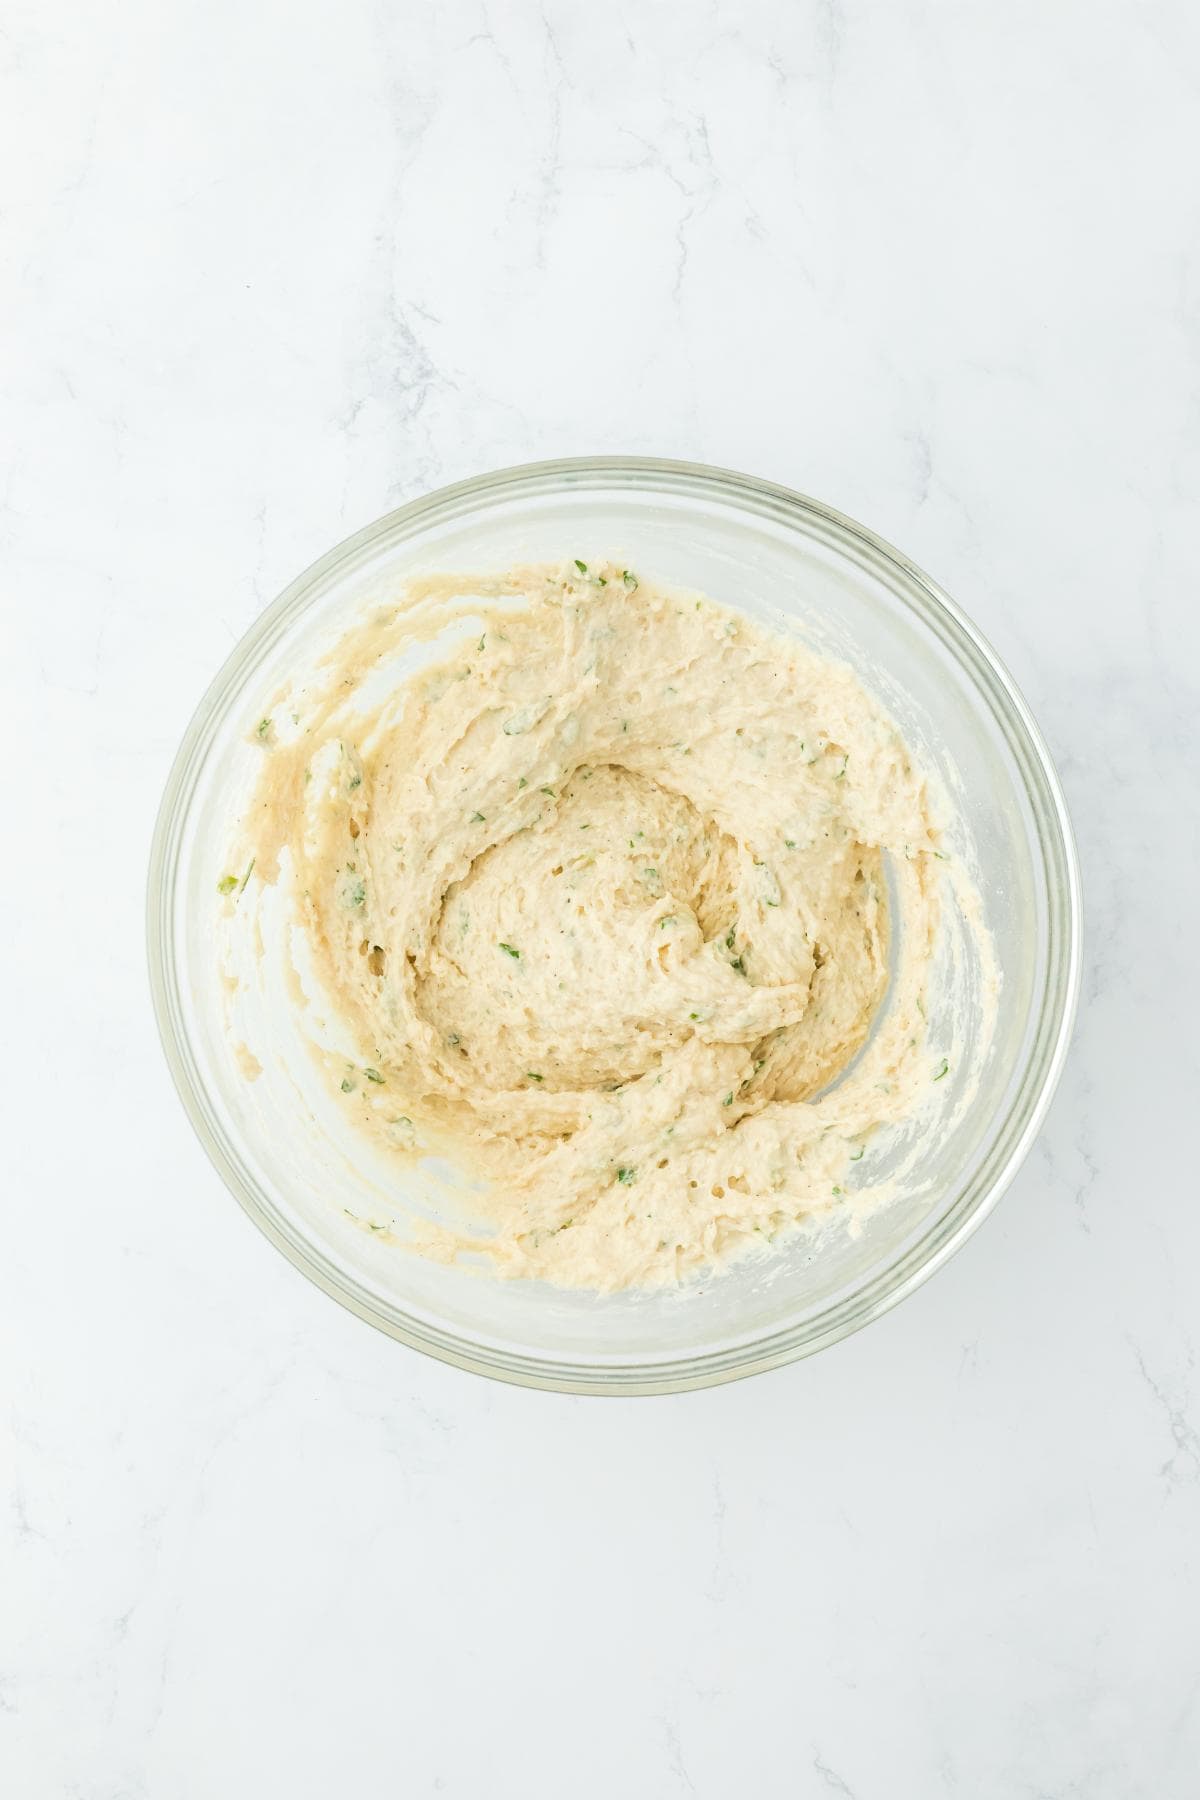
(795, 567)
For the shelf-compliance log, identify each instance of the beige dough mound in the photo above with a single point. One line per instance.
(601, 899)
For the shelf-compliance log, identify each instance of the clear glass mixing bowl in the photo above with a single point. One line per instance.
(788, 562)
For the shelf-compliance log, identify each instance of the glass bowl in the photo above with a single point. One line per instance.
(790, 563)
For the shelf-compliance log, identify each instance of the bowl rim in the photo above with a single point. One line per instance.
(1059, 998)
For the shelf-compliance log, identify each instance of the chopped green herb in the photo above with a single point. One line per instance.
(355, 781)
(549, 791)
(227, 884)
(521, 781)
(532, 1075)
(262, 728)
(601, 580)
(347, 1086)
(739, 965)
(943, 1066)
(374, 1075)
(789, 843)
(477, 818)
(729, 938)
(482, 641)
(581, 566)
(247, 875)
(858, 1154)
(842, 770)
(626, 1176)
(837, 1190)
(728, 1100)
(629, 578)
(693, 1015)
(357, 894)
(509, 951)
(941, 856)
(670, 919)
(586, 827)
(453, 1039)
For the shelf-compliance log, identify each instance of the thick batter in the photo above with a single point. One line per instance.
(601, 899)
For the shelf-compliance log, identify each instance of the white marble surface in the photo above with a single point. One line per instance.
(270, 270)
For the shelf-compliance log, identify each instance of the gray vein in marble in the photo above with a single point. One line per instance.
(832, 1781)
(670, 1731)
(1184, 1462)
(549, 176)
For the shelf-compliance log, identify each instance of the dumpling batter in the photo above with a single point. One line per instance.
(602, 901)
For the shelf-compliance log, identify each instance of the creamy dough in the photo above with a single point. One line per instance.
(601, 900)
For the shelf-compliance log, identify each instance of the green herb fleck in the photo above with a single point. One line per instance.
(549, 791)
(509, 951)
(262, 728)
(374, 1075)
(601, 580)
(629, 578)
(227, 884)
(347, 1086)
(581, 566)
(837, 1190)
(842, 770)
(626, 1176)
(532, 1075)
(942, 1068)
(358, 894)
(728, 1100)
(482, 641)
(858, 1154)
(247, 875)
(355, 781)
(670, 919)
(739, 965)
(789, 843)
(729, 938)
(521, 781)
(477, 818)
